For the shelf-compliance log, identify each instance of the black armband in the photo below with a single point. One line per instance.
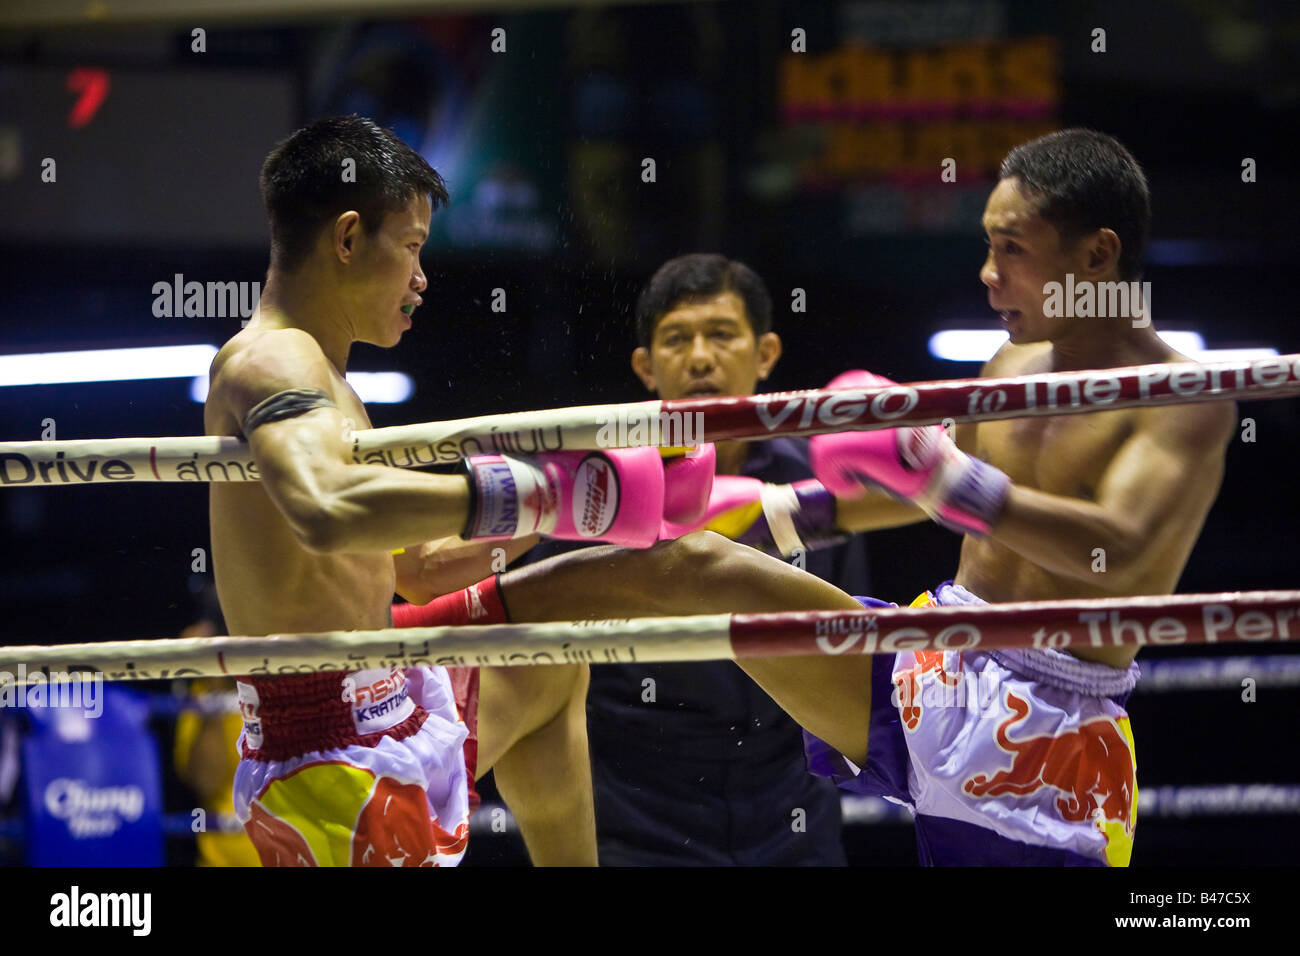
(290, 403)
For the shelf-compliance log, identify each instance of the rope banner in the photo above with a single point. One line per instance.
(671, 423)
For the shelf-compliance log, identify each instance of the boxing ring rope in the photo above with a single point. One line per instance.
(1158, 677)
(1171, 620)
(672, 422)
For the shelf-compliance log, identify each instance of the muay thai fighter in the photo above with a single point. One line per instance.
(368, 768)
(1014, 756)
(1021, 757)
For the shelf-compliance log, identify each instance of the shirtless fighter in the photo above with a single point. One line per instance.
(1007, 757)
(1108, 504)
(1135, 483)
(368, 768)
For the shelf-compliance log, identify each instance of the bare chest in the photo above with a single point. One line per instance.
(1063, 455)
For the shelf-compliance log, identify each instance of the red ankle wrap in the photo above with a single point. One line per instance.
(477, 604)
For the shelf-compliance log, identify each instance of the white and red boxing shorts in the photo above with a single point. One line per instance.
(367, 768)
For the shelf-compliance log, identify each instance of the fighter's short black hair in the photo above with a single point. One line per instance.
(701, 276)
(1083, 181)
(304, 186)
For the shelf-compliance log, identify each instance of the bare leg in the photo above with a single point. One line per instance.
(704, 573)
(533, 733)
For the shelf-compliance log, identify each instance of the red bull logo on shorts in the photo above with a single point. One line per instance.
(907, 684)
(1091, 767)
(296, 821)
(926, 683)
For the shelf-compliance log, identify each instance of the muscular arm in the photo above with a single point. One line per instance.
(331, 503)
(1169, 468)
(875, 510)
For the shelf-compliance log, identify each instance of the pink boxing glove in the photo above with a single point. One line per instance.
(777, 519)
(688, 482)
(921, 465)
(615, 496)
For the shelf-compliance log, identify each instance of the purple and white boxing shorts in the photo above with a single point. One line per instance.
(1005, 758)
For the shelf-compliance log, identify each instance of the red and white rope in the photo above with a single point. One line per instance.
(1173, 620)
(671, 423)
